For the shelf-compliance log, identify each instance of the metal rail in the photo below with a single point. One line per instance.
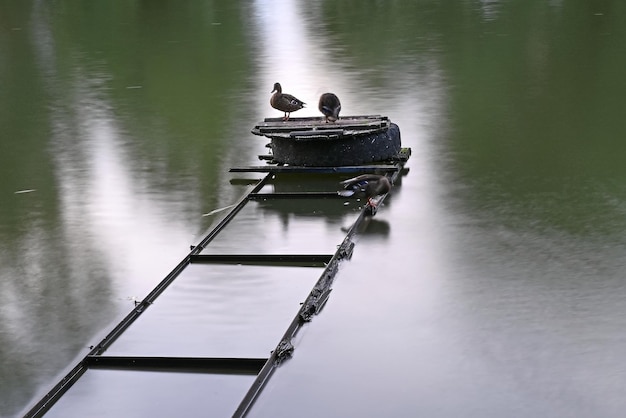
(296, 195)
(188, 364)
(311, 306)
(319, 170)
(304, 260)
(41, 407)
(263, 368)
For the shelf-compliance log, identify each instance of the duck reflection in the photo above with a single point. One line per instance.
(334, 207)
(376, 227)
(372, 227)
(331, 210)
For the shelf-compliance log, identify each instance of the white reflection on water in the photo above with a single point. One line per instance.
(489, 9)
(220, 311)
(106, 203)
(106, 236)
(311, 226)
(114, 393)
(287, 55)
(358, 354)
(293, 51)
(295, 48)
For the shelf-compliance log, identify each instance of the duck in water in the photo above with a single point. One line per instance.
(371, 184)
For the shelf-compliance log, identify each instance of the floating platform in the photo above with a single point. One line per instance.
(313, 142)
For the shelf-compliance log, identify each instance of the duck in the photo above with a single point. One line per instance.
(285, 102)
(330, 106)
(372, 185)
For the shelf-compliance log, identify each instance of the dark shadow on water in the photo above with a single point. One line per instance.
(376, 228)
(330, 210)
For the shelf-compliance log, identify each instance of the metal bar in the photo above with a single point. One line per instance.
(315, 170)
(309, 259)
(41, 407)
(60, 388)
(316, 127)
(314, 119)
(296, 195)
(243, 181)
(307, 131)
(311, 306)
(242, 202)
(404, 155)
(214, 365)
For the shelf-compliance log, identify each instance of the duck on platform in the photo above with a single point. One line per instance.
(330, 106)
(371, 184)
(285, 102)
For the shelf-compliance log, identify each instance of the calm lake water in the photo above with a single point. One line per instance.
(491, 283)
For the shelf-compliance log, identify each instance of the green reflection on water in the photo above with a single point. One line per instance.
(532, 120)
(535, 113)
(160, 83)
(531, 129)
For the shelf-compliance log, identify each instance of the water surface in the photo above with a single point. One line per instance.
(491, 282)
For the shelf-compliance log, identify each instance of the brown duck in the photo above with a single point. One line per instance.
(285, 102)
(371, 184)
(330, 106)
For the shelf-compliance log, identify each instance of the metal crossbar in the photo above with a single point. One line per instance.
(262, 368)
(316, 170)
(215, 365)
(296, 195)
(311, 306)
(41, 407)
(304, 260)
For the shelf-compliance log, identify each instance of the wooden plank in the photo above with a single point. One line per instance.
(350, 125)
(321, 119)
(317, 132)
(286, 126)
(322, 123)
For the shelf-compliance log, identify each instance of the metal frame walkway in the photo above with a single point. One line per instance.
(263, 368)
